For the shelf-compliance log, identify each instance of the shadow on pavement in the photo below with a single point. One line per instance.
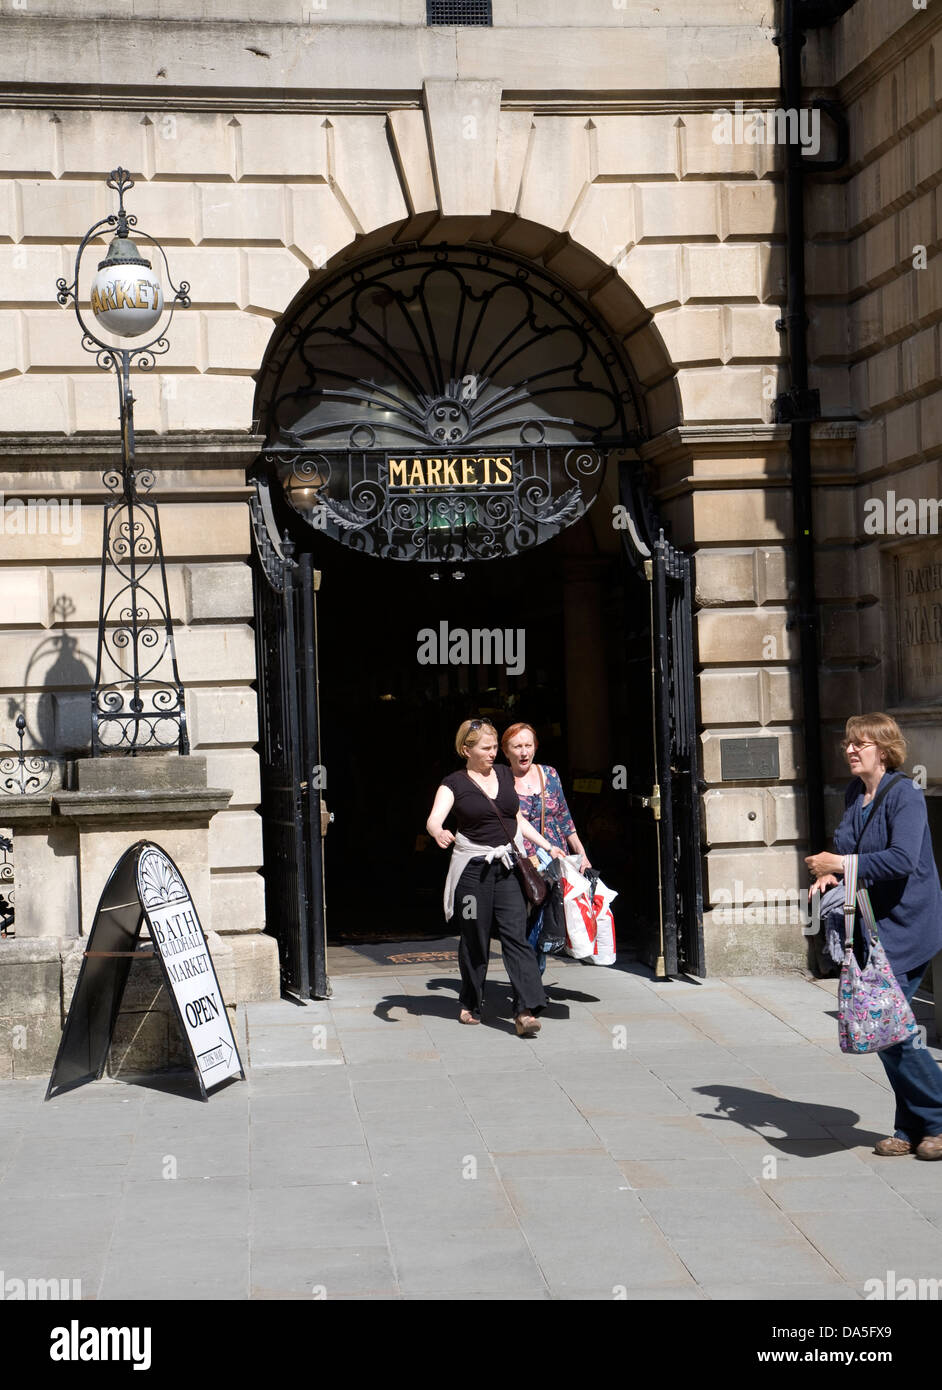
(752, 1109)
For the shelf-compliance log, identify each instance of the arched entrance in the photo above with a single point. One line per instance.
(451, 443)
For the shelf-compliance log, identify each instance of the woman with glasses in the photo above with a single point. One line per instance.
(483, 885)
(886, 812)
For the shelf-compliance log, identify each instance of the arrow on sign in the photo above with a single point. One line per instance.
(214, 1057)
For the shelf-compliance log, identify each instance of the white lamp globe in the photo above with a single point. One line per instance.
(126, 297)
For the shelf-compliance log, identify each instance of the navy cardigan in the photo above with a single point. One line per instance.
(896, 865)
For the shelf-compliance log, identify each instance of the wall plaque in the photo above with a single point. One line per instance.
(748, 759)
(919, 622)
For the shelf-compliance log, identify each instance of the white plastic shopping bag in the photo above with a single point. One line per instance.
(590, 927)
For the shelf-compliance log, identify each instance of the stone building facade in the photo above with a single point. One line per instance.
(582, 138)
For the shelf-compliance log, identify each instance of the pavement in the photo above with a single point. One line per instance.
(678, 1140)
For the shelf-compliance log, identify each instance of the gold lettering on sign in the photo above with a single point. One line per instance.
(464, 471)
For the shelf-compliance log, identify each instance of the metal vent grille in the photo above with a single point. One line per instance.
(458, 11)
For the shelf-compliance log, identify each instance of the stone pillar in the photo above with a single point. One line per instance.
(45, 856)
(118, 801)
(164, 798)
(66, 844)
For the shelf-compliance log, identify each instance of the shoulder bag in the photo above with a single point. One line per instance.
(872, 1012)
(533, 858)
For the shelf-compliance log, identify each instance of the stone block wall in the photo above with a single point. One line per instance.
(879, 570)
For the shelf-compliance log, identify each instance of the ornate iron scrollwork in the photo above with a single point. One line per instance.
(444, 405)
(22, 774)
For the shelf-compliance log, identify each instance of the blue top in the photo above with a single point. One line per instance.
(896, 865)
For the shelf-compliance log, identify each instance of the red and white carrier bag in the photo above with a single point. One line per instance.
(590, 926)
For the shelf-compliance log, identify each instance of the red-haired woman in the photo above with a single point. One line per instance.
(542, 803)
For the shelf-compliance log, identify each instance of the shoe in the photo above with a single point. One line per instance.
(526, 1025)
(931, 1147)
(895, 1148)
(466, 1016)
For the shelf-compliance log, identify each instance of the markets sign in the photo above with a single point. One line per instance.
(439, 505)
(455, 470)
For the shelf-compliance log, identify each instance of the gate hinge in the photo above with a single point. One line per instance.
(653, 801)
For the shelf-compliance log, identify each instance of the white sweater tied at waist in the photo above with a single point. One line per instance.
(463, 851)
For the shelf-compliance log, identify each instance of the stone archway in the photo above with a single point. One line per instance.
(615, 310)
(365, 376)
(451, 352)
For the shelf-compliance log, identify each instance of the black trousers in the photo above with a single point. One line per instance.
(489, 898)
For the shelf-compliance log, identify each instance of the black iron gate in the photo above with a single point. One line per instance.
(677, 762)
(665, 793)
(289, 742)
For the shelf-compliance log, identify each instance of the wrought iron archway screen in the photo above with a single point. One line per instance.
(445, 405)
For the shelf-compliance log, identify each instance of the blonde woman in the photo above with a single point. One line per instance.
(483, 883)
(886, 825)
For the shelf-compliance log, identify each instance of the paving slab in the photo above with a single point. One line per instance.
(491, 1262)
(727, 1259)
(877, 1242)
(322, 1272)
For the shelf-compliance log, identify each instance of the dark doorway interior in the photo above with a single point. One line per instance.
(388, 721)
(388, 724)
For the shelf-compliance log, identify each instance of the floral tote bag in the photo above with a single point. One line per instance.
(872, 1009)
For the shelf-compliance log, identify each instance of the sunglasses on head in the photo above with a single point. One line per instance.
(480, 724)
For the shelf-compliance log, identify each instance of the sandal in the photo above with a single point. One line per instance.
(466, 1016)
(893, 1147)
(526, 1025)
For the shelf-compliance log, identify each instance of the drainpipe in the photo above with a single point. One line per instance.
(800, 406)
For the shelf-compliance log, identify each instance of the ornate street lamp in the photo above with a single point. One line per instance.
(137, 698)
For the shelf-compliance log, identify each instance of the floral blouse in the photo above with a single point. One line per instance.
(558, 820)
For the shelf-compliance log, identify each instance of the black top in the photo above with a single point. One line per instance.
(474, 808)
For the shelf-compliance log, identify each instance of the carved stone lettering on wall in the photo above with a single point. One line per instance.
(919, 622)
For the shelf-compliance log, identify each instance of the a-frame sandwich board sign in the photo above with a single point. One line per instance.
(146, 886)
